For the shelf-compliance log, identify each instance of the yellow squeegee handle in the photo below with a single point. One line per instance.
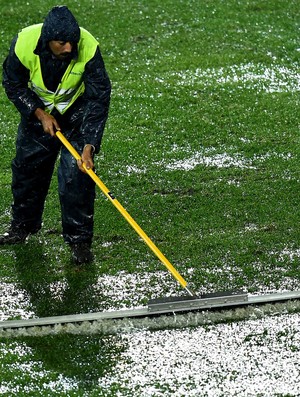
(125, 214)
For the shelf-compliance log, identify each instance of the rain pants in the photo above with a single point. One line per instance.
(36, 152)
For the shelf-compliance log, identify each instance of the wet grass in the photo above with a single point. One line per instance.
(223, 227)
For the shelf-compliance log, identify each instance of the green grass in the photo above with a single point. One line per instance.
(222, 227)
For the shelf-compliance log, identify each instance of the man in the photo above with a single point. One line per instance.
(56, 78)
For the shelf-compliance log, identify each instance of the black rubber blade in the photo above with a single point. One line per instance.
(170, 299)
(182, 303)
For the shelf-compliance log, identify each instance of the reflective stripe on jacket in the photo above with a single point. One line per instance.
(71, 85)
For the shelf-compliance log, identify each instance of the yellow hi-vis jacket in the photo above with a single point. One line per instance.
(71, 85)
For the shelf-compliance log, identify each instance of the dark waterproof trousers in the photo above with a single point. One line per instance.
(32, 169)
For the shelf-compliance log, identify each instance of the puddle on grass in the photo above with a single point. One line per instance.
(54, 365)
(222, 160)
(287, 253)
(213, 360)
(248, 358)
(122, 291)
(208, 158)
(70, 296)
(274, 78)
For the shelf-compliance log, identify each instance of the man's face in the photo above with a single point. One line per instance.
(61, 49)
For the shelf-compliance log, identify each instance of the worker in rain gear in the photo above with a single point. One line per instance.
(55, 76)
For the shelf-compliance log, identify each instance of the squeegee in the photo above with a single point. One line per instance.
(126, 215)
(179, 313)
(172, 312)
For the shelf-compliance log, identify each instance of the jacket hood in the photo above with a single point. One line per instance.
(61, 25)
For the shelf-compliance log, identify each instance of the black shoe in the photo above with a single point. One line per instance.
(14, 236)
(81, 253)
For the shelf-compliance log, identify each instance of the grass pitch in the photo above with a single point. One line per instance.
(201, 147)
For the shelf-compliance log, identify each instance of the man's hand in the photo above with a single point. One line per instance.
(50, 126)
(86, 158)
(49, 123)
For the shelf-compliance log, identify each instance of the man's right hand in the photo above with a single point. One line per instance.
(49, 123)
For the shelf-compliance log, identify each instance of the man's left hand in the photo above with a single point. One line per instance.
(86, 158)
